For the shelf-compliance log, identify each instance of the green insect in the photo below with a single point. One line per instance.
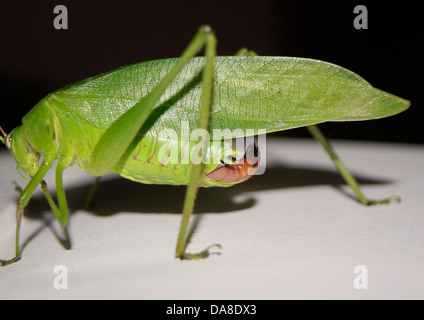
(114, 122)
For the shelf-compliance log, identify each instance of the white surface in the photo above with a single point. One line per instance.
(292, 233)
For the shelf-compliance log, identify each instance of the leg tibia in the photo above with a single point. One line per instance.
(350, 180)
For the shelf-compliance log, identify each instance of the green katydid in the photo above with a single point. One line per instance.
(111, 122)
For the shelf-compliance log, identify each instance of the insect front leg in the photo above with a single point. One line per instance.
(350, 180)
(22, 203)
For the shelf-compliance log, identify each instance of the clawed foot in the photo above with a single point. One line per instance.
(4, 263)
(384, 201)
(201, 255)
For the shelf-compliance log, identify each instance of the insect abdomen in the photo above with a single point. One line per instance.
(148, 159)
(154, 161)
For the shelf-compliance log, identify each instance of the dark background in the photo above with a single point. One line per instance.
(36, 59)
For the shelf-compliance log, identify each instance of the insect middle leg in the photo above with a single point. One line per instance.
(117, 138)
(195, 176)
(62, 213)
(89, 201)
(196, 169)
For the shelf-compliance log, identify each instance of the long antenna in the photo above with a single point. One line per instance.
(4, 135)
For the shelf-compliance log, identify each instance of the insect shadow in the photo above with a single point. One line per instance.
(120, 195)
(116, 195)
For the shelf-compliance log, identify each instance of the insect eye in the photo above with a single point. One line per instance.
(8, 141)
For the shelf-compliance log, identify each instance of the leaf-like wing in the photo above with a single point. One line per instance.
(271, 93)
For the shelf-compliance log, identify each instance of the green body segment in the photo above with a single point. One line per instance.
(269, 93)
